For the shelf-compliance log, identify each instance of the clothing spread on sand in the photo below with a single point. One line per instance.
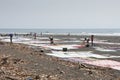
(82, 54)
(102, 63)
(88, 57)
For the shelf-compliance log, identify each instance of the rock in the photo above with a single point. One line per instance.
(47, 76)
(2, 72)
(15, 61)
(36, 64)
(10, 78)
(41, 50)
(37, 77)
(29, 78)
(81, 66)
(62, 72)
(90, 72)
(4, 61)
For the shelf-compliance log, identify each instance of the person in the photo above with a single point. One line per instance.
(68, 34)
(51, 39)
(11, 36)
(87, 44)
(84, 41)
(41, 33)
(92, 38)
(34, 35)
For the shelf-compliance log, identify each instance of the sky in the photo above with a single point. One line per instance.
(59, 13)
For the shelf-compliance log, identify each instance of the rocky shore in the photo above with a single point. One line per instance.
(22, 62)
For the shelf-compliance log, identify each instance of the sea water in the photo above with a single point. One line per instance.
(65, 31)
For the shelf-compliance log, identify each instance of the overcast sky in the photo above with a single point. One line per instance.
(59, 13)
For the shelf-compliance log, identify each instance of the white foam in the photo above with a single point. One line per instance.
(72, 41)
(105, 42)
(60, 47)
(105, 50)
(42, 38)
(82, 54)
(102, 34)
(75, 54)
(38, 42)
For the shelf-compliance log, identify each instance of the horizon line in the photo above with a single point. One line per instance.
(59, 28)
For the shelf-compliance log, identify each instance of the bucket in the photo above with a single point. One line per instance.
(64, 49)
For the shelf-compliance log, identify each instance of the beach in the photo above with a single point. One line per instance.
(36, 59)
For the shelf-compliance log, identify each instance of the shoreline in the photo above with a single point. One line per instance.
(51, 67)
(37, 65)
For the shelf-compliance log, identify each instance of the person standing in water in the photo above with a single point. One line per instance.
(11, 36)
(51, 39)
(92, 38)
(35, 34)
(87, 43)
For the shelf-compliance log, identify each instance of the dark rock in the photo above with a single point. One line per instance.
(37, 77)
(89, 72)
(3, 61)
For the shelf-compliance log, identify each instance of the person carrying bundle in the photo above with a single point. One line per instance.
(51, 40)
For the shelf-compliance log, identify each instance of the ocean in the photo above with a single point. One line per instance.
(60, 30)
(65, 31)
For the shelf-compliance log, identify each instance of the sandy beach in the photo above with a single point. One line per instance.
(59, 39)
(41, 61)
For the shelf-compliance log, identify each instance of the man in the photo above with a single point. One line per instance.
(11, 35)
(92, 38)
(35, 34)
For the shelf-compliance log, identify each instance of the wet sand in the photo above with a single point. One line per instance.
(22, 62)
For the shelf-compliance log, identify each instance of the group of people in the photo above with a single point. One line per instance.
(34, 35)
(86, 41)
(50, 38)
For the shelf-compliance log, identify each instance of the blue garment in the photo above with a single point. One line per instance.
(11, 35)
